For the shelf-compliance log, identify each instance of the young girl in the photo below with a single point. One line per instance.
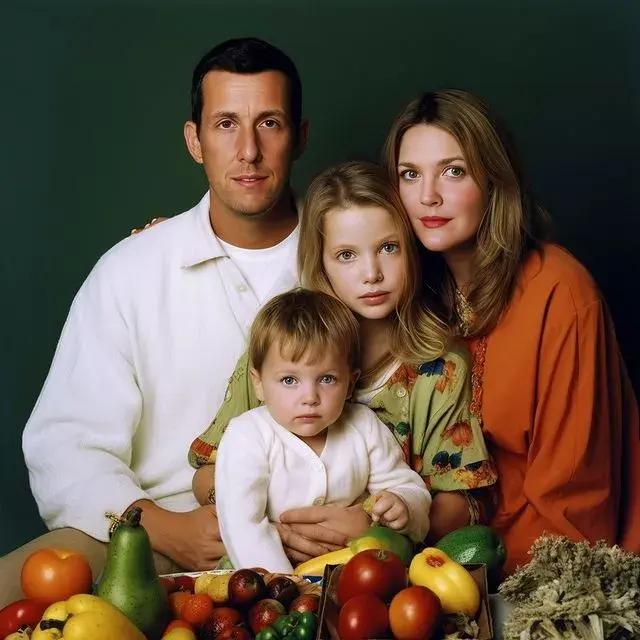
(305, 445)
(549, 384)
(356, 243)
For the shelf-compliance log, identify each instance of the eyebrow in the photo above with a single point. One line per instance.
(444, 161)
(392, 237)
(233, 115)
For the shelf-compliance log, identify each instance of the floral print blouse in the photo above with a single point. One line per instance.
(427, 408)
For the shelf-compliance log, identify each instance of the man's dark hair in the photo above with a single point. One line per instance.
(246, 55)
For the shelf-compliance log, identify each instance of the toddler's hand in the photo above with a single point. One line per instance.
(390, 510)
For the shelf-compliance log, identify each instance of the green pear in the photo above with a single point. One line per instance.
(130, 581)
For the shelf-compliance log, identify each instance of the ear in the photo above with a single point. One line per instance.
(303, 137)
(352, 383)
(257, 383)
(193, 143)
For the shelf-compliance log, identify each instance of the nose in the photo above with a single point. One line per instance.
(429, 193)
(248, 146)
(371, 270)
(310, 395)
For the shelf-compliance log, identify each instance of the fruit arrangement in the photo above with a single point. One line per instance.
(375, 596)
(240, 605)
(379, 590)
(131, 602)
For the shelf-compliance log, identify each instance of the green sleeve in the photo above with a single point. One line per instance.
(447, 441)
(239, 397)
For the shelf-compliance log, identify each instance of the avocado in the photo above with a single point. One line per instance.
(130, 581)
(393, 541)
(476, 544)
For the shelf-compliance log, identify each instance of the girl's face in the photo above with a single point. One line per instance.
(444, 202)
(363, 259)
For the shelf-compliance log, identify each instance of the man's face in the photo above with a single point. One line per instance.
(247, 140)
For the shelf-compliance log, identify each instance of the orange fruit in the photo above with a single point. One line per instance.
(176, 602)
(197, 609)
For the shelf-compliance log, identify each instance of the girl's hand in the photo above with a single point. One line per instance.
(390, 510)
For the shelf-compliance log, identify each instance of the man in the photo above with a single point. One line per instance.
(156, 329)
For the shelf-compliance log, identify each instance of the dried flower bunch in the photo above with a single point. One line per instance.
(574, 590)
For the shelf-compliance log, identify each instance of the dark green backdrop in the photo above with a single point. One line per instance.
(94, 95)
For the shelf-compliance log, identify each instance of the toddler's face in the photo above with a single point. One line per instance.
(305, 397)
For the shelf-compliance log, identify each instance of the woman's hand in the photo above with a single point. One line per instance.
(309, 532)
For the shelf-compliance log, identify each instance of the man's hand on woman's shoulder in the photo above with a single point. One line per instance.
(151, 223)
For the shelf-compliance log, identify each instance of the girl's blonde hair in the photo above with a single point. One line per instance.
(416, 334)
(305, 324)
(514, 224)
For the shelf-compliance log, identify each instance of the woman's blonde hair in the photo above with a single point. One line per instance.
(417, 335)
(305, 324)
(513, 225)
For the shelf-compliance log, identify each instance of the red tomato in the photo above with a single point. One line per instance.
(177, 624)
(363, 617)
(376, 571)
(197, 609)
(21, 612)
(49, 575)
(414, 614)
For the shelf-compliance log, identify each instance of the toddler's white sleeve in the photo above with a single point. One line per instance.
(241, 489)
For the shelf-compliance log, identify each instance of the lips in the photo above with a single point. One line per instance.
(433, 222)
(249, 179)
(374, 295)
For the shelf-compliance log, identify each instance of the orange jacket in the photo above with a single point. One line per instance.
(559, 413)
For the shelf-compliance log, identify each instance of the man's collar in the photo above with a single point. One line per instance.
(203, 245)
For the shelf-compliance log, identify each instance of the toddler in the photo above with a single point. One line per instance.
(306, 445)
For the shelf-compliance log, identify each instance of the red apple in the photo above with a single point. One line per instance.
(305, 602)
(264, 613)
(245, 587)
(221, 620)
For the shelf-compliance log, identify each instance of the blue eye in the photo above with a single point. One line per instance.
(328, 379)
(345, 256)
(287, 381)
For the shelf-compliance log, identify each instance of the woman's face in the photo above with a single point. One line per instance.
(444, 202)
(363, 258)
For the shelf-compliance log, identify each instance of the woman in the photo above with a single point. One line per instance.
(356, 243)
(549, 385)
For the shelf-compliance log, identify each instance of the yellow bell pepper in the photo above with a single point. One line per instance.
(84, 616)
(315, 566)
(450, 581)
